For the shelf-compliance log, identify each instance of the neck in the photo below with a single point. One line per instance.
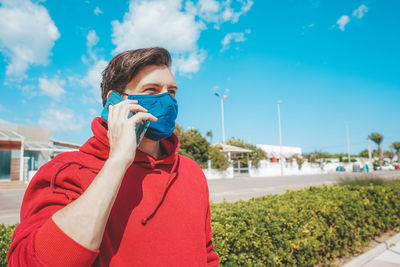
(150, 147)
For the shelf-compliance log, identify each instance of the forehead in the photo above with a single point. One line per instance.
(153, 74)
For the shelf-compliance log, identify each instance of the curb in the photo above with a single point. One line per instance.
(371, 254)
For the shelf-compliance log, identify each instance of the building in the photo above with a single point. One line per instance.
(24, 149)
(273, 152)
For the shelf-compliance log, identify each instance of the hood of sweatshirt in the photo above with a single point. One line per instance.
(99, 147)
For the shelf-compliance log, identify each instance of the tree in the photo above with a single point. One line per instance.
(388, 154)
(396, 147)
(193, 145)
(299, 160)
(255, 156)
(210, 135)
(378, 138)
(364, 154)
(318, 156)
(219, 159)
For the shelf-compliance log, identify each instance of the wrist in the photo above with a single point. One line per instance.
(119, 162)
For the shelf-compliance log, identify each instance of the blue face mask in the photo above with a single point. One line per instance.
(162, 106)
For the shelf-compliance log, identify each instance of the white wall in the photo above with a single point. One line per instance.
(215, 174)
(267, 168)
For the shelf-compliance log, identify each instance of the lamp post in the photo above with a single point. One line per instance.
(280, 136)
(222, 98)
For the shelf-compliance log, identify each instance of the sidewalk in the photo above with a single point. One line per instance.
(11, 194)
(12, 185)
(387, 254)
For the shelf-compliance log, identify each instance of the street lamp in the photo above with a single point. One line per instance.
(280, 136)
(222, 114)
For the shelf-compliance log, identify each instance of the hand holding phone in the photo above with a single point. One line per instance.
(141, 128)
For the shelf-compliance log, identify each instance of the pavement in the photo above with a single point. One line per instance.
(386, 254)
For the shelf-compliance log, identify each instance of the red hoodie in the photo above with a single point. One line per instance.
(161, 216)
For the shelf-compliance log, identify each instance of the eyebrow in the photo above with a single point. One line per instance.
(158, 85)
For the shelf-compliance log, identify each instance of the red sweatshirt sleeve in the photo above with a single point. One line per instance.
(51, 240)
(37, 241)
(212, 256)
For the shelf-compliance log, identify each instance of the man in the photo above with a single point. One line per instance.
(112, 203)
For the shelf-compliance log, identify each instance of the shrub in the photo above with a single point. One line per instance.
(6, 232)
(305, 227)
(218, 158)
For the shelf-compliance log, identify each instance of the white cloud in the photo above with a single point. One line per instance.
(52, 87)
(233, 37)
(91, 39)
(156, 23)
(60, 120)
(161, 23)
(97, 11)
(343, 21)
(4, 121)
(27, 35)
(360, 11)
(229, 14)
(208, 10)
(93, 78)
(190, 63)
(219, 12)
(167, 24)
(93, 112)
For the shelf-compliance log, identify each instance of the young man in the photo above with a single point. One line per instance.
(112, 203)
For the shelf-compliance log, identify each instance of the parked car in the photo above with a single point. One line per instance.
(340, 169)
(387, 167)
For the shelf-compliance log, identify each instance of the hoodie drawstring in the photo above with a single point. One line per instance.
(167, 186)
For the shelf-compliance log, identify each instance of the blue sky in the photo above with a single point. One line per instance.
(330, 62)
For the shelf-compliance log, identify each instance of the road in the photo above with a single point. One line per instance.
(222, 189)
(245, 187)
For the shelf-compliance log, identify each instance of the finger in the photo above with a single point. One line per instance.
(141, 116)
(124, 103)
(130, 101)
(133, 108)
(110, 113)
(123, 110)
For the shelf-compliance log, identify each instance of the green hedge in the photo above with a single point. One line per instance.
(6, 232)
(305, 227)
(299, 228)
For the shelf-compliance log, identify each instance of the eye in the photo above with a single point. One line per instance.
(172, 92)
(150, 90)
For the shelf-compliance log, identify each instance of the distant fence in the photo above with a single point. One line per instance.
(266, 168)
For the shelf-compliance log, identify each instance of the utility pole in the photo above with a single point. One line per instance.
(280, 136)
(222, 98)
(348, 142)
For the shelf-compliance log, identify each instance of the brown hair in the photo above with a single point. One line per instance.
(126, 65)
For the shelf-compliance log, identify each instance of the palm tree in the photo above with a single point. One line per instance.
(396, 146)
(210, 134)
(378, 138)
(388, 154)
